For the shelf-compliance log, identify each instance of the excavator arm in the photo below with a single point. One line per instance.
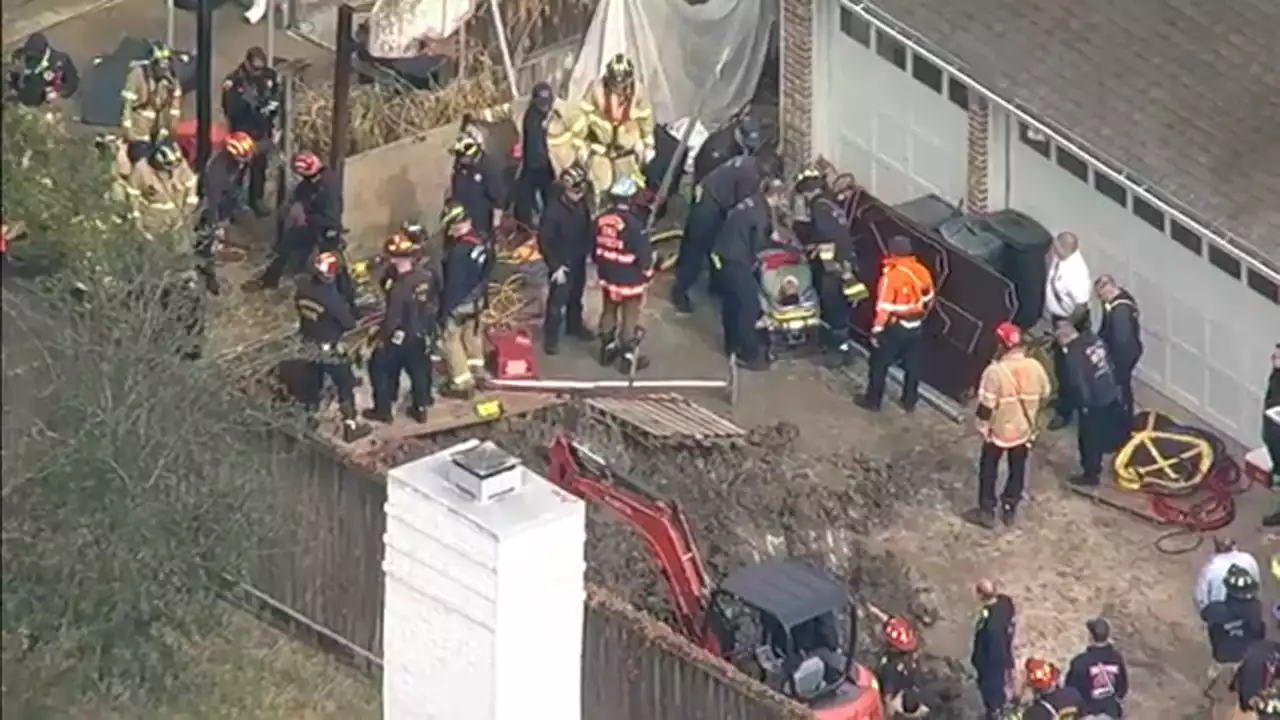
(662, 524)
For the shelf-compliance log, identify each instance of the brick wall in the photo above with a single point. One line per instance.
(796, 33)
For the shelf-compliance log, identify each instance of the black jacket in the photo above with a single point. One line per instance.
(410, 307)
(829, 224)
(566, 236)
(1121, 331)
(321, 200)
(32, 80)
(324, 316)
(745, 232)
(1234, 625)
(1258, 679)
(480, 188)
(464, 267)
(1054, 705)
(719, 146)
(251, 101)
(1101, 677)
(221, 188)
(1090, 372)
(993, 637)
(1272, 397)
(731, 183)
(534, 153)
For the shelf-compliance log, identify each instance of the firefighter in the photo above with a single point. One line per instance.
(546, 150)
(624, 264)
(251, 97)
(898, 671)
(152, 98)
(904, 297)
(223, 177)
(1234, 625)
(1089, 378)
(42, 74)
(566, 239)
(718, 193)
(1271, 429)
(404, 338)
(1099, 674)
(992, 656)
(477, 185)
(741, 137)
(324, 317)
(1122, 333)
(614, 127)
(1050, 700)
(1257, 680)
(461, 301)
(313, 224)
(166, 188)
(827, 235)
(747, 230)
(1010, 394)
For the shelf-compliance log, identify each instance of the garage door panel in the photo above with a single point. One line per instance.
(1186, 375)
(1187, 325)
(1229, 352)
(892, 184)
(852, 156)
(1154, 366)
(893, 140)
(1226, 399)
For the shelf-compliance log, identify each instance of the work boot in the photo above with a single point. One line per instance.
(353, 431)
(417, 413)
(1008, 514)
(681, 302)
(908, 408)
(378, 415)
(1083, 480)
(551, 344)
(1272, 520)
(756, 365)
(865, 403)
(608, 351)
(624, 362)
(465, 392)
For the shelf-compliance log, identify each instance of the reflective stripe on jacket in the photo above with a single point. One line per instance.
(905, 293)
(1013, 388)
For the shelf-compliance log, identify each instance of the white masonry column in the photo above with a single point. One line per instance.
(483, 611)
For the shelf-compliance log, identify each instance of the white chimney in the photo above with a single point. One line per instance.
(483, 604)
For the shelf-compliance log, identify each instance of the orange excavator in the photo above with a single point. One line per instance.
(777, 621)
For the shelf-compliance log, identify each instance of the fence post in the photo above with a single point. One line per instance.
(342, 91)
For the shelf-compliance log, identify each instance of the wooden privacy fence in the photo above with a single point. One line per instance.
(323, 576)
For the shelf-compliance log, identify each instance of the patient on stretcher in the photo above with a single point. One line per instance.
(788, 292)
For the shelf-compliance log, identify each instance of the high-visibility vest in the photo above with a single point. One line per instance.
(904, 295)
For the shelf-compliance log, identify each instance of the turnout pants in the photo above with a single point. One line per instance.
(989, 470)
(831, 304)
(385, 367)
(290, 254)
(344, 380)
(620, 320)
(898, 344)
(564, 304)
(740, 311)
(533, 191)
(463, 347)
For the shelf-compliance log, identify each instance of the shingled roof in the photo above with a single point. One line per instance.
(1185, 93)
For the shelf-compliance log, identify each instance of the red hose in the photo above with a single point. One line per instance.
(1207, 513)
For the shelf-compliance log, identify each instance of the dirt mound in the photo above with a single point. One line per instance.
(749, 501)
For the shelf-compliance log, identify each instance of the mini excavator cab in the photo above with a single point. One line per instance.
(777, 620)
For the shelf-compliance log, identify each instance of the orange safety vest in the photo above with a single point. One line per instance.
(905, 293)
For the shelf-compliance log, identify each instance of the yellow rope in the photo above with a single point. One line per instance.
(1163, 471)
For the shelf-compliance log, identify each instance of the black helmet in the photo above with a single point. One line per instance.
(573, 177)
(542, 97)
(452, 214)
(809, 181)
(1240, 583)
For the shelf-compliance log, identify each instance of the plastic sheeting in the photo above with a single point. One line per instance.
(398, 27)
(700, 61)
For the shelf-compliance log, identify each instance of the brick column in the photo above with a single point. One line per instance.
(796, 57)
(978, 161)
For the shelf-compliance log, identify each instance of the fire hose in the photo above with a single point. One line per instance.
(1167, 461)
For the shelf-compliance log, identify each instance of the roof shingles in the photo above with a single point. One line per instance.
(1185, 93)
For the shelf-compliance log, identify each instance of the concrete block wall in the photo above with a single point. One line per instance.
(483, 610)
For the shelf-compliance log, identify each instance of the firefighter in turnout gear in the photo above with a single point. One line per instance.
(898, 671)
(403, 340)
(1049, 699)
(42, 74)
(165, 189)
(1234, 625)
(1258, 679)
(719, 192)
(152, 98)
(222, 180)
(462, 301)
(566, 239)
(615, 126)
(323, 319)
(826, 232)
(904, 296)
(477, 185)
(624, 264)
(251, 97)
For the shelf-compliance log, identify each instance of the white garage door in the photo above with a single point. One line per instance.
(1209, 324)
(893, 119)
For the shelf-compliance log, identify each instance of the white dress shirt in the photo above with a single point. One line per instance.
(1209, 587)
(1068, 285)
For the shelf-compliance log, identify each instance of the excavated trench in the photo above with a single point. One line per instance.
(758, 498)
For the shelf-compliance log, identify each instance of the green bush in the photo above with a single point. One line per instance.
(135, 480)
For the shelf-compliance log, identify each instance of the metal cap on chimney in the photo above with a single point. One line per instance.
(485, 472)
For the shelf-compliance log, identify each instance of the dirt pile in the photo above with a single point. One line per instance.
(757, 499)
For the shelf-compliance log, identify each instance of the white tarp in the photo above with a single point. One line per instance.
(678, 49)
(398, 27)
